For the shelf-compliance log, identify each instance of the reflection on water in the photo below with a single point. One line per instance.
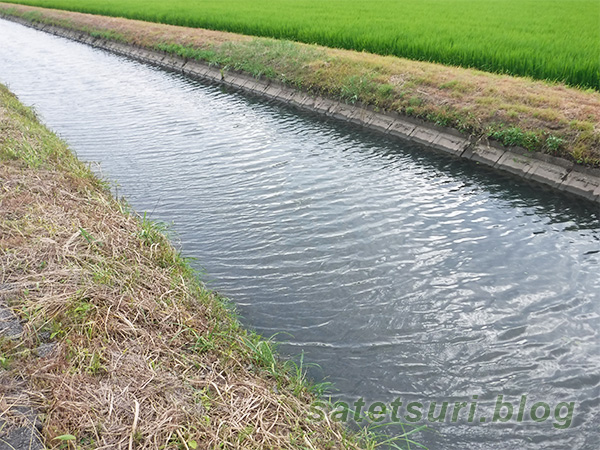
(402, 273)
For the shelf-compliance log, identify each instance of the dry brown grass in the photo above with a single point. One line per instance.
(142, 355)
(134, 31)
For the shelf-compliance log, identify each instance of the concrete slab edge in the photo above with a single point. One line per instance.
(555, 172)
(28, 434)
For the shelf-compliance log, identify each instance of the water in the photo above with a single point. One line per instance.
(401, 272)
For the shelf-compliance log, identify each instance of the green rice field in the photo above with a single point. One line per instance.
(557, 40)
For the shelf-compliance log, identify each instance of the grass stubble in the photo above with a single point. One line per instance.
(138, 353)
(539, 116)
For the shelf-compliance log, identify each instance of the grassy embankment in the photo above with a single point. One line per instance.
(540, 116)
(144, 355)
(549, 39)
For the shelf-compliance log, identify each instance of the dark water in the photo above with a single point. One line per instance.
(401, 272)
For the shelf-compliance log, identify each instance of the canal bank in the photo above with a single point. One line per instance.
(535, 121)
(108, 339)
(396, 270)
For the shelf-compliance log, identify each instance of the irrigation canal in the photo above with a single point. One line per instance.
(400, 272)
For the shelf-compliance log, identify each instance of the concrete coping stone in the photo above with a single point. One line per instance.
(548, 173)
(262, 87)
(308, 102)
(401, 128)
(148, 54)
(272, 91)
(581, 183)
(172, 62)
(207, 73)
(556, 172)
(515, 163)
(236, 81)
(483, 153)
(246, 82)
(286, 95)
(424, 135)
(380, 122)
(195, 69)
(361, 116)
(342, 111)
(297, 98)
(324, 106)
(451, 144)
(253, 86)
(214, 75)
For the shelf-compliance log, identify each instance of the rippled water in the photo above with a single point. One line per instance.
(399, 271)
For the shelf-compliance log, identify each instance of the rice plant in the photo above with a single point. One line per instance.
(554, 40)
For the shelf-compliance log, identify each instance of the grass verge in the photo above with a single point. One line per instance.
(122, 344)
(547, 40)
(516, 112)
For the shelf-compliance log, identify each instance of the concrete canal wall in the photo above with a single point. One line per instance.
(555, 172)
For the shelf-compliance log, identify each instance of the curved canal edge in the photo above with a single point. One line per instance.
(109, 339)
(555, 172)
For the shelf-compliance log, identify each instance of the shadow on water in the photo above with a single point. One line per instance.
(557, 206)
